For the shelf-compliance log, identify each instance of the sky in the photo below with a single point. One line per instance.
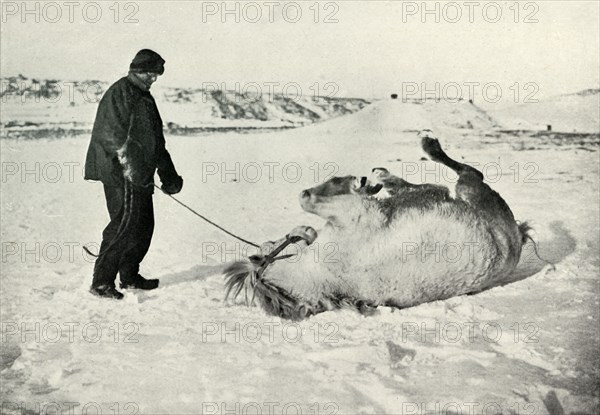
(339, 48)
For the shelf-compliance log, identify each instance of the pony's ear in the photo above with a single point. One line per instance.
(357, 184)
(373, 190)
(362, 186)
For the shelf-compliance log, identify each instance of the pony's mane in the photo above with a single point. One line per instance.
(277, 301)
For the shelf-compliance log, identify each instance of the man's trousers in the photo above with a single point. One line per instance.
(126, 239)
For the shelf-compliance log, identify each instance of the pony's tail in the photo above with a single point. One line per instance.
(525, 231)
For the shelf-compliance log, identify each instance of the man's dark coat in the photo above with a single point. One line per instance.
(127, 138)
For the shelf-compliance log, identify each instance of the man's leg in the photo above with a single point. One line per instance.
(139, 237)
(107, 265)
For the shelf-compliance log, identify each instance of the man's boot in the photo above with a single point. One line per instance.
(106, 291)
(139, 282)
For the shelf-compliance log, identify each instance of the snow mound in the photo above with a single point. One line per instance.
(388, 118)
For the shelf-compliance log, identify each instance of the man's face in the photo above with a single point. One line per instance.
(148, 77)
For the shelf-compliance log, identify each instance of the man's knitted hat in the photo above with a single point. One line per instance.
(147, 60)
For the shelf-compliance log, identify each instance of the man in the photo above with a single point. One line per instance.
(126, 149)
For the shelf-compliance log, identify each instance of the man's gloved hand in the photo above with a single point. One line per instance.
(173, 187)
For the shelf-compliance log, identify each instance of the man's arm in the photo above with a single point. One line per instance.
(137, 155)
(114, 120)
(171, 181)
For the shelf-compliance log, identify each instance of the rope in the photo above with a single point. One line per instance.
(209, 221)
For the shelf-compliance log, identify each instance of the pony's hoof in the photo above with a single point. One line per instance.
(379, 174)
(433, 148)
(307, 233)
(267, 247)
(426, 133)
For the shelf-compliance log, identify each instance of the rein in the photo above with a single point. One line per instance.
(209, 221)
(128, 211)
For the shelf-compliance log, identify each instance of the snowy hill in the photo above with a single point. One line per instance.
(33, 107)
(392, 117)
(578, 112)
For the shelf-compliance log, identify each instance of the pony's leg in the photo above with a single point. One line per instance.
(432, 147)
(470, 186)
(488, 204)
(301, 236)
(391, 184)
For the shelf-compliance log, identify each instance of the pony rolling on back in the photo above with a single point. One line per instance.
(389, 242)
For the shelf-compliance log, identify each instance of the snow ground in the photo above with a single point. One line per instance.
(529, 347)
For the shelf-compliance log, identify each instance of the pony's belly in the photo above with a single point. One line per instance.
(426, 266)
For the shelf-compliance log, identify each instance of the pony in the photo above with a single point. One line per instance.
(387, 242)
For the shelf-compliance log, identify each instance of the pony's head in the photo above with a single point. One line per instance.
(338, 199)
